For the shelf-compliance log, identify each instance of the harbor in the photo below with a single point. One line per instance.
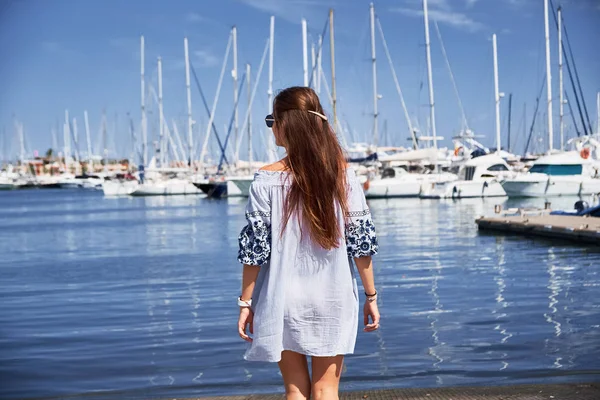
(127, 157)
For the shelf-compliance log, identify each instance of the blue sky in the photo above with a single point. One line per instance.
(84, 55)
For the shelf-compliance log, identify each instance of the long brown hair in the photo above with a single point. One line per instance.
(317, 163)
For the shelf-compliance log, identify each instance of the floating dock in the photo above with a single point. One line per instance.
(589, 391)
(579, 228)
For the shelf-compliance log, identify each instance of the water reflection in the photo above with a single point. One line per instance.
(502, 304)
(139, 293)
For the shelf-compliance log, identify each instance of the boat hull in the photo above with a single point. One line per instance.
(165, 189)
(392, 188)
(551, 186)
(243, 185)
(117, 188)
(464, 189)
(213, 189)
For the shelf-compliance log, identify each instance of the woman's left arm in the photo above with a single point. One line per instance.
(249, 276)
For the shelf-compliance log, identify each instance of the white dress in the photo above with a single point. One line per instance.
(305, 298)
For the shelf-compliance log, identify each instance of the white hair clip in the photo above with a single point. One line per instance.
(323, 117)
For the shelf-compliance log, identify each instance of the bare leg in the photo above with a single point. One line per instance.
(326, 372)
(294, 369)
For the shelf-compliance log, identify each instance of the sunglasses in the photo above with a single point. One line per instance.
(269, 120)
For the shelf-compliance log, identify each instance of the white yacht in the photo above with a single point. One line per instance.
(478, 177)
(166, 187)
(562, 174)
(397, 182)
(120, 187)
(6, 183)
(239, 184)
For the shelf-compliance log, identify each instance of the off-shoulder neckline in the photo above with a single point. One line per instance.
(278, 176)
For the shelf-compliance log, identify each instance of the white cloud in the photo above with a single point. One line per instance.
(194, 17)
(292, 10)
(448, 17)
(205, 58)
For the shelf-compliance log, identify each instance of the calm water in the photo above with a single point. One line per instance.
(135, 298)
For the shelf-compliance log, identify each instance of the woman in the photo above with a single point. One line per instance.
(307, 219)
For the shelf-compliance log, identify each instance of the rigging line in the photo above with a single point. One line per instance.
(537, 104)
(389, 58)
(231, 120)
(252, 95)
(462, 110)
(318, 51)
(360, 48)
(570, 73)
(572, 115)
(214, 128)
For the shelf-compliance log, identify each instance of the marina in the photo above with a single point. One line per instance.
(118, 273)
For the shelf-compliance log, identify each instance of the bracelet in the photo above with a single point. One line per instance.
(371, 297)
(244, 303)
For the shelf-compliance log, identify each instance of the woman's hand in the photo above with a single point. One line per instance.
(370, 310)
(246, 318)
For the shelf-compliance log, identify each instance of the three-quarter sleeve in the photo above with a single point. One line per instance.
(361, 239)
(255, 237)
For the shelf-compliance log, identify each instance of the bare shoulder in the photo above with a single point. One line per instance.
(277, 166)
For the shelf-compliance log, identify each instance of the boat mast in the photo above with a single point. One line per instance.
(249, 116)
(271, 48)
(271, 149)
(598, 112)
(234, 73)
(304, 52)
(19, 127)
(104, 141)
(560, 81)
(190, 124)
(509, 120)
(496, 95)
(398, 89)
(319, 59)
(76, 140)
(313, 59)
(374, 65)
(333, 91)
(161, 118)
(214, 105)
(67, 140)
(143, 93)
(89, 141)
(430, 79)
(548, 79)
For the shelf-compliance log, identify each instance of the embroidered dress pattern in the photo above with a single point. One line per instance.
(361, 240)
(255, 243)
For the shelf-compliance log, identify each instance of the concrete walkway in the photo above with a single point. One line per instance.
(521, 392)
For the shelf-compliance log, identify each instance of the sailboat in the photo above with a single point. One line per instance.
(480, 176)
(397, 182)
(572, 173)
